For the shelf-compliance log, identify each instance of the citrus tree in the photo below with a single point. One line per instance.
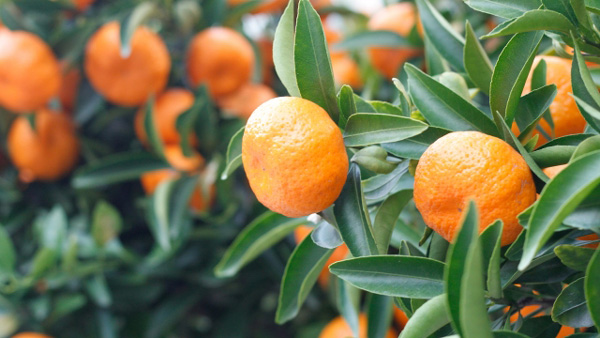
(471, 200)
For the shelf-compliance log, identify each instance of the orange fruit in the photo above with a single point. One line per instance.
(590, 237)
(400, 317)
(30, 335)
(82, 5)
(29, 72)
(266, 6)
(525, 311)
(220, 57)
(176, 158)
(340, 253)
(127, 80)
(339, 328)
(346, 71)
(70, 85)
(198, 202)
(553, 171)
(399, 18)
(167, 108)
(294, 156)
(245, 100)
(466, 165)
(320, 4)
(565, 331)
(46, 153)
(565, 115)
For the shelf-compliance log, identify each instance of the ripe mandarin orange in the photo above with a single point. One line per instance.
(176, 158)
(320, 4)
(399, 18)
(340, 253)
(29, 72)
(294, 156)
(245, 100)
(553, 171)
(167, 108)
(346, 71)
(565, 115)
(46, 153)
(70, 85)
(198, 201)
(466, 165)
(400, 317)
(220, 57)
(339, 328)
(266, 6)
(127, 80)
(30, 335)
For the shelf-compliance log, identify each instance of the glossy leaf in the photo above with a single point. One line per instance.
(510, 73)
(584, 90)
(570, 307)
(379, 38)
(386, 218)
(301, 273)
(366, 129)
(347, 105)
(448, 43)
(587, 146)
(532, 107)
(311, 57)
(444, 108)
(374, 158)
(283, 51)
(504, 8)
(476, 61)
(428, 318)
(491, 246)
(151, 129)
(347, 299)
(592, 288)
(415, 146)
(379, 314)
(558, 199)
(258, 236)
(574, 257)
(395, 276)
(234, 154)
(131, 23)
(326, 236)
(534, 20)
(352, 218)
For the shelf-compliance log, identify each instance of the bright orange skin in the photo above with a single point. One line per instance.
(47, 153)
(400, 317)
(340, 253)
(221, 58)
(179, 161)
(267, 6)
(461, 166)
(70, 85)
(245, 100)
(525, 311)
(565, 115)
(167, 108)
(553, 171)
(29, 72)
(127, 81)
(294, 156)
(152, 179)
(346, 71)
(399, 18)
(82, 5)
(338, 328)
(30, 335)
(320, 4)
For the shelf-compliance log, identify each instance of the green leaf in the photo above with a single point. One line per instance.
(234, 154)
(373, 128)
(383, 107)
(395, 276)
(266, 230)
(444, 108)
(386, 218)
(283, 51)
(326, 236)
(185, 125)
(52, 228)
(99, 290)
(570, 307)
(205, 124)
(511, 72)
(374, 158)
(574, 257)
(311, 57)
(507, 9)
(347, 299)
(380, 38)
(587, 146)
(150, 127)
(585, 91)
(106, 223)
(592, 288)
(447, 42)
(44, 260)
(457, 259)
(558, 199)
(532, 106)
(352, 218)
(415, 146)
(434, 62)
(7, 253)
(534, 20)
(491, 246)
(379, 315)
(347, 105)
(476, 61)
(428, 318)
(301, 273)
(158, 214)
(115, 169)
(130, 24)
(553, 155)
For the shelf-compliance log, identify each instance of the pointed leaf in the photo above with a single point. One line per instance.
(374, 128)
(234, 154)
(507, 9)
(570, 307)
(477, 63)
(283, 51)
(428, 318)
(592, 288)
(534, 20)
